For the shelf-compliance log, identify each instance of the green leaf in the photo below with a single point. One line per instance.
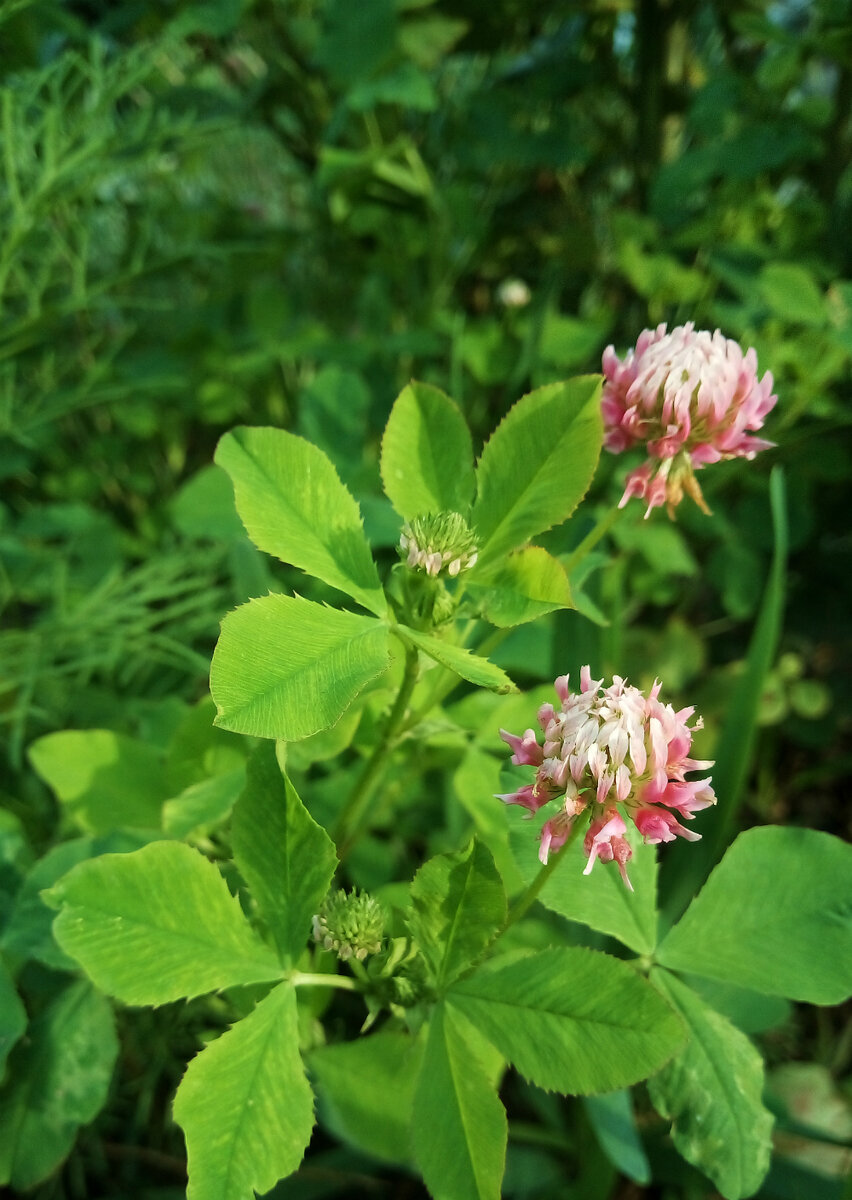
(611, 1117)
(526, 585)
(157, 925)
(537, 465)
(245, 1104)
(287, 860)
(775, 916)
(286, 668)
(205, 803)
(734, 751)
(571, 1020)
(791, 291)
(459, 1130)
(29, 929)
(293, 505)
(458, 906)
(476, 780)
(600, 899)
(456, 658)
(13, 1016)
(374, 1116)
(711, 1092)
(427, 454)
(58, 1080)
(104, 780)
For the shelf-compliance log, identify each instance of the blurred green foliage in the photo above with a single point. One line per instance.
(280, 211)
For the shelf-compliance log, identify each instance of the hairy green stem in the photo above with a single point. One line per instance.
(351, 821)
(591, 539)
(307, 979)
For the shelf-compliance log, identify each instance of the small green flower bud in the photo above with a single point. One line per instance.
(436, 541)
(352, 924)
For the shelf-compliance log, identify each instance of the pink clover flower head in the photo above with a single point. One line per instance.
(617, 755)
(692, 398)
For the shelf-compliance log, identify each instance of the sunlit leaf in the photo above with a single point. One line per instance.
(286, 668)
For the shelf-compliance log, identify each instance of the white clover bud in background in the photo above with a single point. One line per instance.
(514, 293)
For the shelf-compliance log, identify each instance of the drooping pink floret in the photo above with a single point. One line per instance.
(616, 755)
(691, 398)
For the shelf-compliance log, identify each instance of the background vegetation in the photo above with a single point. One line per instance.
(278, 213)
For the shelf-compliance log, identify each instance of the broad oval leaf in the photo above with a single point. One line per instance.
(13, 1016)
(427, 454)
(458, 906)
(537, 465)
(157, 925)
(103, 779)
(286, 668)
(245, 1104)
(58, 1080)
(375, 1116)
(612, 1119)
(293, 505)
(459, 1131)
(599, 900)
(775, 915)
(463, 662)
(528, 584)
(711, 1092)
(571, 1020)
(286, 858)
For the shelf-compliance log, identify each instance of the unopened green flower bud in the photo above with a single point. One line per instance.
(352, 924)
(437, 541)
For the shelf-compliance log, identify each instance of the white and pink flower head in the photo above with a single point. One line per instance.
(691, 398)
(614, 755)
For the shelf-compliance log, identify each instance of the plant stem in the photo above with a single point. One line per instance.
(306, 979)
(591, 539)
(348, 828)
(526, 899)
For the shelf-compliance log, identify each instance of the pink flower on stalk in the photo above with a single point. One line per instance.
(691, 398)
(616, 755)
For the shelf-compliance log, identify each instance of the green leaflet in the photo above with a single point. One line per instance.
(286, 858)
(207, 802)
(611, 1117)
(734, 750)
(571, 1020)
(775, 915)
(711, 1092)
(537, 465)
(526, 585)
(459, 1129)
(104, 780)
(456, 658)
(427, 454)
(58, 1080)
(600, 899)
(29, 928)
(375, 1115)
(245, 1104)
(286, 668)
(13, 1017)
(157, 925)
(294, 506)
(458, 906)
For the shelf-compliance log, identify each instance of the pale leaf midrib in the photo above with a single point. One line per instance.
(236, 710)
